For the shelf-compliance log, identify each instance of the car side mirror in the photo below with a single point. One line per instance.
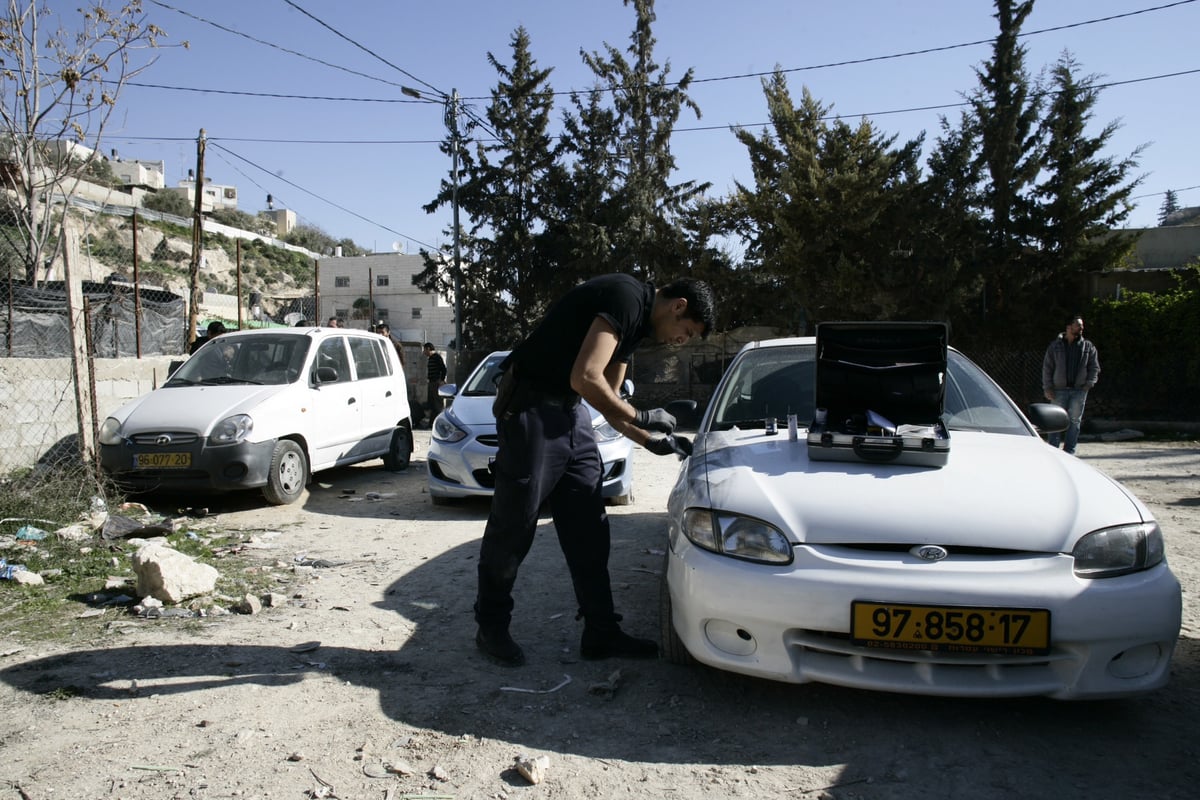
(685, 412)
(326, 375)
(1049, 418)
(626, 389)
(447, 390)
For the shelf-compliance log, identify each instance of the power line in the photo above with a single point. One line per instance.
(364, 48)
(265, 43)
(322, 199)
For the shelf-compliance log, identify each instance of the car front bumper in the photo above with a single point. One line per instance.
(463, 469)
(213, 468)
(1109, 638)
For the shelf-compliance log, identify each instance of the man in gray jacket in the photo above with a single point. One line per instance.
(1070, 368)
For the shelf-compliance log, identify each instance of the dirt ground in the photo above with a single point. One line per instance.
(366, 683)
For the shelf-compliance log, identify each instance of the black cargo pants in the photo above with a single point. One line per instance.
(547, 452)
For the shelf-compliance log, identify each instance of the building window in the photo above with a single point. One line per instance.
(416, 313)
(381, 280)
(341, 282)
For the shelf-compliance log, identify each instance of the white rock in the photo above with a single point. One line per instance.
(171, 576)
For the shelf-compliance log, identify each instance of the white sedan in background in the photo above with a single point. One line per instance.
(463, 442)
(1014, 570)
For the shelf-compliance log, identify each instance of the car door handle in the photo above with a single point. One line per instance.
(351, 401)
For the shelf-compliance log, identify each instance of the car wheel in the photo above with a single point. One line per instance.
(672, 646)
(288, 475)
(399, 454)
(621, 499)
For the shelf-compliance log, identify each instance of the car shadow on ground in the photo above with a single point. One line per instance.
(660, 712)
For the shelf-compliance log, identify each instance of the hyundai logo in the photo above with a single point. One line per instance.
(163, 440)
(929, 552)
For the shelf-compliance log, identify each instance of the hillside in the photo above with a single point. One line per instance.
(164, 257)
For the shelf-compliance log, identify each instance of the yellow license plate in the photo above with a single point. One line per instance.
(162, 460)
(951, 629)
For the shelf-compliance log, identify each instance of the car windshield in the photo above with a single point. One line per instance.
(266, 359)
(483, 380)
(777, 381)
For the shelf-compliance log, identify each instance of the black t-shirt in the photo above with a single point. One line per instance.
(545, 358)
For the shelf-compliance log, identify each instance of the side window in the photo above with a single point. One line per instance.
(332, 353)
(341, 282)
(368, 357)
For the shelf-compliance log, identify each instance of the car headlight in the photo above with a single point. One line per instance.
(1109, 552)
(446, 429)
(737, 536)
(110, 431)
(232, 430)
(605, 432)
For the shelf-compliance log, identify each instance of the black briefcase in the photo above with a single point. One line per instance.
(880, 389)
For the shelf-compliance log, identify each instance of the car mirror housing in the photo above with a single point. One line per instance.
(685, 412)
(1048, 417)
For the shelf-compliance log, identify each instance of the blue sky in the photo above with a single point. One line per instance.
(362, 168)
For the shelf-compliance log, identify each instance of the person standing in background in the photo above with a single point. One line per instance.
(1070, 369)
(436, 375)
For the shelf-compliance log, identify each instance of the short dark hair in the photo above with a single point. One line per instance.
(429, 346)
(701, 307)
(216, 328)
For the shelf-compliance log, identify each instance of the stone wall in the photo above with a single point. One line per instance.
(41, 414)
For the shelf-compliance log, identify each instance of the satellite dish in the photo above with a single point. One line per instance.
(397, 247)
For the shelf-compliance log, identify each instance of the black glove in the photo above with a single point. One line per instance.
(656, 419)
(667, 445)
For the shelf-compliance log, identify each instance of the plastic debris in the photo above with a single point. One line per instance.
(7, 570)
(28, 533)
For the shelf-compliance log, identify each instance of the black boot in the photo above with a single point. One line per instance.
(496, 644)
(598, 643)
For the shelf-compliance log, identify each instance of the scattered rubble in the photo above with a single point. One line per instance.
(169, 575)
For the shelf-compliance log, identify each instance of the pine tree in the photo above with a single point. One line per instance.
(1083, 196)
(643, 228)
(1170, 205)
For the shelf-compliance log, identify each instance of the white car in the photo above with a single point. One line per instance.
(264, 408)
(1013, 570)
(463, 443)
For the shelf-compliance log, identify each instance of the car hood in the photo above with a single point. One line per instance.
(1012, 492)
(191, 408)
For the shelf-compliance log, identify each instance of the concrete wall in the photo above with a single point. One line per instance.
(38, 398)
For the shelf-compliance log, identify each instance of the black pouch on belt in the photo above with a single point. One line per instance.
(504, 393)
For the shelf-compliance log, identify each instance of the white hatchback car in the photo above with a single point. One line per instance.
(463, 444)
(264, 408)
(1013, 570)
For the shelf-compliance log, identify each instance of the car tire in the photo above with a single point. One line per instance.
(288, 475)
(399, 454)
(672, 646)
(621, 499)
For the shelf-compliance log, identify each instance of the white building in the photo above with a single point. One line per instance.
(350, 286)
(146, 174)
(214, 195)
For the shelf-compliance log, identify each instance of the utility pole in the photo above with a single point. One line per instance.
(197, 246)
(455, 142)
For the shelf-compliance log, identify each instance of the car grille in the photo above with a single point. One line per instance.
(484, 478)
(825, 656)
(151, 439)
(489, 440)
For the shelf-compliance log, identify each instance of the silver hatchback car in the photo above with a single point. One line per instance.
(463, 444)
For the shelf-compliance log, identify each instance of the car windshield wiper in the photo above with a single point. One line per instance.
(225, 380)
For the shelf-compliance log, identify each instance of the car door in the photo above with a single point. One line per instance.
(378, 389)
(335, 425)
